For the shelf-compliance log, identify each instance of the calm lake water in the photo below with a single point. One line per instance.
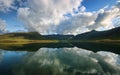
(81, 59)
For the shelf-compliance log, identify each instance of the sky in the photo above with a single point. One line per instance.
(58, 16)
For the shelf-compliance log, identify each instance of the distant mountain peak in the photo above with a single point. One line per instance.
(94, 31)
(108, 34)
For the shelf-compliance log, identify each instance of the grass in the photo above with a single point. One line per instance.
(24, 38)
(24, 41)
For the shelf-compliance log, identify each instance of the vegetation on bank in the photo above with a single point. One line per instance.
(25, 41)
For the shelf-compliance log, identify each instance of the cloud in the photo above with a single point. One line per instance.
(8, 5)
(45, 14)
(2, 26)
(87, 21)
(23, 15)
(47, 17)
(5, 5)
(105, 18)
(68, 61)
(76, 24)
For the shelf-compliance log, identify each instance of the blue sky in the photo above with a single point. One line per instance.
(94, 5)
(14, 24)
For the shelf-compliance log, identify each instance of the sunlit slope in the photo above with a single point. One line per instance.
(23, 38)
(32, 37)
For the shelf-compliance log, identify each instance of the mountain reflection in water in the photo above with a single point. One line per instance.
(61, 61)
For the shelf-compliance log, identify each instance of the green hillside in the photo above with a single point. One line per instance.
(32, 37)
(24, 38)
(25, 35)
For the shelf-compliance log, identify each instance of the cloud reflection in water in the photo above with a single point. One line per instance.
(69, 61)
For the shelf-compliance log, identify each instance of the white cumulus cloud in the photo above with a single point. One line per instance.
(5, 5)
(76, 24)
(105, 17)
(2, 26)
(45, 16)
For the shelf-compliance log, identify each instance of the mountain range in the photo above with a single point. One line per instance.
(113, 34)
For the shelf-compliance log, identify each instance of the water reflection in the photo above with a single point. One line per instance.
(68, 61)
(89, 46)
(9, 59)
(1, 54)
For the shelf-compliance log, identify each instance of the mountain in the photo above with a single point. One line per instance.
(25, 35)
(32, 37)
(25, 40)
(36, 36)
(113, 34)
(58, 37)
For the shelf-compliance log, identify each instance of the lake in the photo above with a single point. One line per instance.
(60, 59)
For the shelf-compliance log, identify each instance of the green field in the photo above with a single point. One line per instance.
(24, 38)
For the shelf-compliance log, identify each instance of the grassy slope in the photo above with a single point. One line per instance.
(24, 38)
